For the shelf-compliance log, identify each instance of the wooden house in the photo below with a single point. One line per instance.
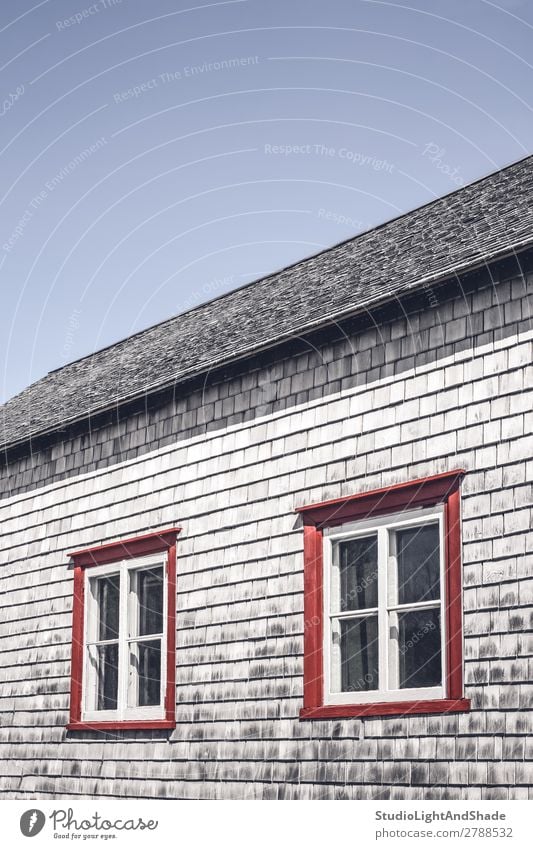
(279, 546)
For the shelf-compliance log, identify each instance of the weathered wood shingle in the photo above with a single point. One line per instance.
(239, 603)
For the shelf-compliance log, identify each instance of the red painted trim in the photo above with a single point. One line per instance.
(77, 646)
(126, 548)
(443, 488)
(386, 709)
(135, 547)
(403, 496)
(313, 613)
(139, 725)
(454, 602)
(170, 697)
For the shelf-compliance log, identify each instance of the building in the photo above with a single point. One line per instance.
(280, 546)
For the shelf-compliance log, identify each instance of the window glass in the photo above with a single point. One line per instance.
(418, 559)
(150, 595)
(358, 572)
(419, 646)
(108, 595)
(359, 653)
(107, 661)
(149, 670)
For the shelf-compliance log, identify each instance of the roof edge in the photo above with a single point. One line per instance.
(435, 279)
(284, 268)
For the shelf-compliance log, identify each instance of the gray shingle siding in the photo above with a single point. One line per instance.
(240, 573)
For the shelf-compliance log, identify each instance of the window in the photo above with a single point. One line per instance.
(123, 653)
(382, 604)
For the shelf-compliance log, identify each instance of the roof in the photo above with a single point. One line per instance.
(473, 225)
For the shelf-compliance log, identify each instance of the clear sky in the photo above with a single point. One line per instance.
(156, 153)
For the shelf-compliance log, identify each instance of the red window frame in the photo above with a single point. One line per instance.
(425, 492)
(152, 543)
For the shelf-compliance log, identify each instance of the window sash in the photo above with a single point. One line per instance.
(128, 604)
(388, 647)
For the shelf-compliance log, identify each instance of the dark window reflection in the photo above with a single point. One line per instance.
(108, 594)
(419, 646)
(418, 564)
(149, 654)
(107, 677)
(359, 654)
(358, 567)
(150, 591)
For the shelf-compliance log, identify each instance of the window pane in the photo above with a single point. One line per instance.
(419, 647)
(418, 553)
(359, 654)
(107, 677)
(358, 567)
(108, 596)
(150, 590)
(148, 663)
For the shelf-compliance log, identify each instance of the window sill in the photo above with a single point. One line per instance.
(125, 725)
(386, 709)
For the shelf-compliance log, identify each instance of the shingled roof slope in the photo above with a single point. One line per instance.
(477, 223)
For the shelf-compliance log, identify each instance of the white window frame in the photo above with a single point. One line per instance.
(127, 569)
(331, 654)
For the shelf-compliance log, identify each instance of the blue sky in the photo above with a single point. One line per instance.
(156, 154)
